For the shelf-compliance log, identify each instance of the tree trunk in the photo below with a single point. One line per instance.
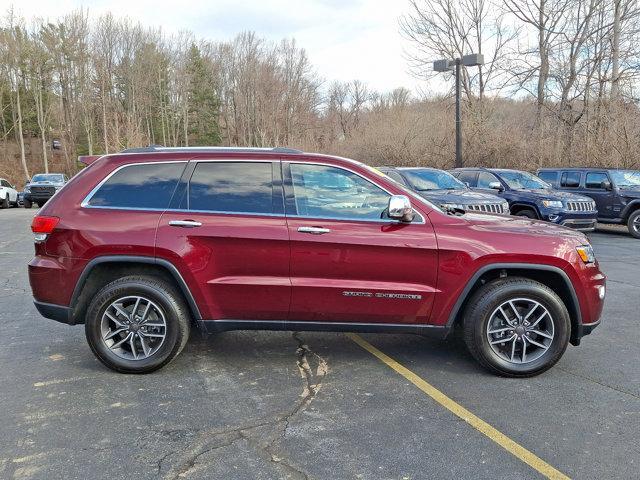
(615, 51)
(23, 157)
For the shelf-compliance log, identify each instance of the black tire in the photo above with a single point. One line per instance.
(479, 312)
(526, 213)
(39, 204)
(26, 203)
(633, 224)
(4, 202)
(162, 294)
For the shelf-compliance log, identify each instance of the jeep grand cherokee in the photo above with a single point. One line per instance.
(142, 245)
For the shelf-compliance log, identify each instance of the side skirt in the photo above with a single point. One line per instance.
(216, 326)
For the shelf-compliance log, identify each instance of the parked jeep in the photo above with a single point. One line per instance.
(42, 187)
(616, 192)
(529, 196)
(445, 190)
(142, 247)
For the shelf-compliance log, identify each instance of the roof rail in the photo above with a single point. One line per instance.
(160, 148)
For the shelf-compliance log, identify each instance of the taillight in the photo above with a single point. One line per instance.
(42, 226)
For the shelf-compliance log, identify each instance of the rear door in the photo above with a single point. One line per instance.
(227, 234)
(349, 263)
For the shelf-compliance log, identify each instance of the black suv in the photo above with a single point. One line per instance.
(442, 188)
(616, 192)
(42, 187)
(529, 196)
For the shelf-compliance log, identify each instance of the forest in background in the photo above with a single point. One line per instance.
(558, 87)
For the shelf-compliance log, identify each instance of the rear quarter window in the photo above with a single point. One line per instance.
(570, 179)
(142, 186)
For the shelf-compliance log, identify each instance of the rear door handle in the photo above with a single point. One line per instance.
(185, 223)
(313, 230)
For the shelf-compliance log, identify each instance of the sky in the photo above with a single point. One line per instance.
(344, 39)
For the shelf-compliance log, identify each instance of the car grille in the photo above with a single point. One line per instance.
(581, 206)
(40, 190)
(487, 207)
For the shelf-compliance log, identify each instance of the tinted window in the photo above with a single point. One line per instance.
(466, 177)
(570, 179)
(486, 178)
(243, 187)
(549, 177)
(4, 183)
(595, 179)
(139, 186)
(323, 191)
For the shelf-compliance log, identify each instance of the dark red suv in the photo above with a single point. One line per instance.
(144, 244)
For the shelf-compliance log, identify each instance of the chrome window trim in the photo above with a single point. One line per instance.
(348, 219)
(87, 199)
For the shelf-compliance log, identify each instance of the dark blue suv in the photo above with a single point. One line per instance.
(616, 192)
(529, 196)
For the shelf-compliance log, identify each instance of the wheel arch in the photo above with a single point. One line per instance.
(101, 270)
(631, 207)
(551, 276)
(515, 207)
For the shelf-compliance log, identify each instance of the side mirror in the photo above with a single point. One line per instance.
(496, 186)
(400, 208)
(607, 185)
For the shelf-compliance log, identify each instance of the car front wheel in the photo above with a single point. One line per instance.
(634, 224)
(137, 324)
(516, 327)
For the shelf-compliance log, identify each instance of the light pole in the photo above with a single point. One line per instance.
(472, 60)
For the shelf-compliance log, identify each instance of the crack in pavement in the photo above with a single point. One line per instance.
(597, 382)
(280, 424)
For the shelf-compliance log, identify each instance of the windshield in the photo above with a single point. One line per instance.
(423, 180)
(626, 178)
(523, 180)
(48, 177)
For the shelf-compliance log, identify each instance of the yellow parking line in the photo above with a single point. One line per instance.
(500, 438)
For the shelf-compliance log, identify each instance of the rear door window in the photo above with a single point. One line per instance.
(232, 187)
(594, 180)
(570, 179)
(141, 186)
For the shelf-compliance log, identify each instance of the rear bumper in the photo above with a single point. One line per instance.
(59, 313)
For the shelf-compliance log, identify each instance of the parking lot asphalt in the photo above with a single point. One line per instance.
(258, 405)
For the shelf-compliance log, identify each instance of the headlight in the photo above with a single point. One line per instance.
(27, 189)
(586, 254)
(552, 203)
(505, 208)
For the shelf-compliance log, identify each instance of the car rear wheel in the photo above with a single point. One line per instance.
(634, 224)
(516, 327)
(137, 324)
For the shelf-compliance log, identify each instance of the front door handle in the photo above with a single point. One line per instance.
(185, 223)
(313, 230)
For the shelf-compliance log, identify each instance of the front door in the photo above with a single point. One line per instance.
(349, 263)
(605, 199)
(227, 234)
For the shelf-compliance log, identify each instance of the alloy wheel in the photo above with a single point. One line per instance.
(133, 327)
(520, 330)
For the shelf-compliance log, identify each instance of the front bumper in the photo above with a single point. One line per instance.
(37, 197)
(582, 221)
